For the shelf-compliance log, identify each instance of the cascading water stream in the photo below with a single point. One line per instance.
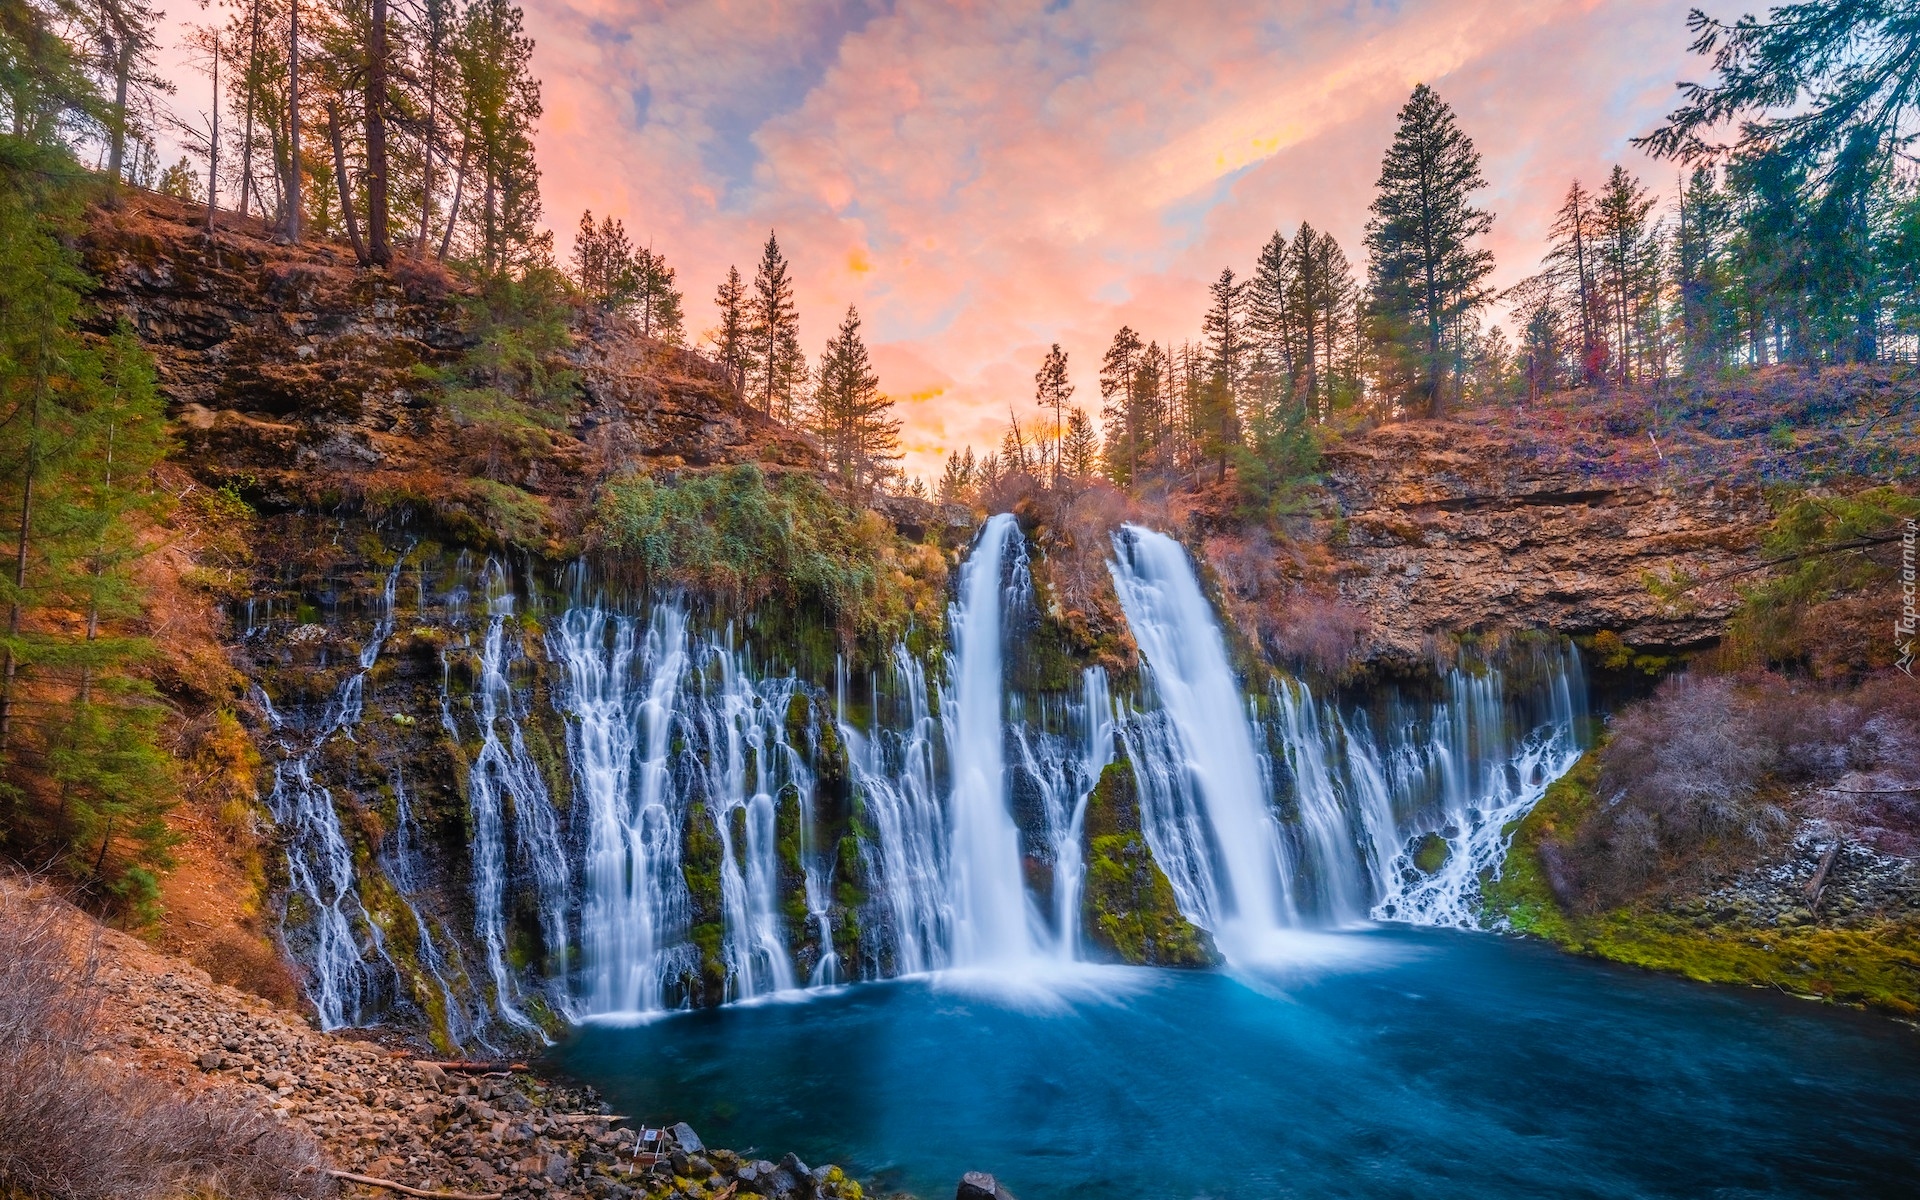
(750, 763)
(504, 777)
(1204, 805)
(1485, 781)
(893, 769)
(635, 909)
(991, 918)
(319, 860)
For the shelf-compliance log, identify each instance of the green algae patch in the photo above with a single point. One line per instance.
(1873, 964)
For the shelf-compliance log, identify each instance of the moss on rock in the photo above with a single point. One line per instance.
(1130, 909)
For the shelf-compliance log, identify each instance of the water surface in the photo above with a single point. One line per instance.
(1392, 1062)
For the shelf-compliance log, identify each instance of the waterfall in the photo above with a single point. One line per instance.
(749, 764)
(685, 865)
(989, 894)
(402, 866)
(635, 908)
(326, 936)
(503, 778)
(1204, 806)
(1478, 780)
(893, 773)
(1333, 792)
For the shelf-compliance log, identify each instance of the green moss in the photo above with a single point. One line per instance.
(1114, 805)
(1876, 964)
(1432, 853)
(740, 536)
(1131, 911)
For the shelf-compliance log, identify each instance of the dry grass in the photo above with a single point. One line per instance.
(79, 1128)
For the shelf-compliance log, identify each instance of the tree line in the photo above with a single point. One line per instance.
(1793, 236)
(399, 128)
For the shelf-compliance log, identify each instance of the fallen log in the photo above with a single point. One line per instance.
(466, 1064)
(1818, 884)
(404, 1190)
(586, 1118)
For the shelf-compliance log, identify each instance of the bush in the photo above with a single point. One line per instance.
(738, 536)
(1679, 789)
(78, 1129)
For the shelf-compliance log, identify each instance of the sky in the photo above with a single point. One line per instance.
(982, 179)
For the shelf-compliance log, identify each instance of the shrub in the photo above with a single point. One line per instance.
(78, 1129)
(1679, 789)
(739, 536)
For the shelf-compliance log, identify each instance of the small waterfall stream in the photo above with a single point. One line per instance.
(325, 934)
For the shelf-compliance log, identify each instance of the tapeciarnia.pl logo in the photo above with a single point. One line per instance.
(1905, 625)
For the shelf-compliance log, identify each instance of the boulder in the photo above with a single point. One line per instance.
(978, 1185)
(685, 1138)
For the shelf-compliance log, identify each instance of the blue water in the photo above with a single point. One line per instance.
(1386, 1063)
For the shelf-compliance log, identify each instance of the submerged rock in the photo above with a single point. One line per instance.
(978, 1185)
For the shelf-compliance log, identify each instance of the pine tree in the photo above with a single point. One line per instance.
(774, 334)
(1621, 217)
(83, 783)
(659, 300)
(850, 416)
(730, 339)
(1225, 327)
(957, 480)
(1080, 449)
(1117, 406)
(1575, 257)
(1052, 389)
(499, 103)
(1426, 276)
(1271, 323)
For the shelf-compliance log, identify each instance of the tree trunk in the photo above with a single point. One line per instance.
(453, 210)
(20, 555)
(246, 138)
(293, 121)
(213, 144)
(346, 189)
(122, 72)
(378, 252)
(433, 113)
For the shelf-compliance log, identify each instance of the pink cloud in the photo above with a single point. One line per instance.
(986, 178)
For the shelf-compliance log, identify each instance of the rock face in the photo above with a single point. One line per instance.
(1447, 527)
(292, 372)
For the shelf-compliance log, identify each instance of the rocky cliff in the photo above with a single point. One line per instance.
(1449, 527)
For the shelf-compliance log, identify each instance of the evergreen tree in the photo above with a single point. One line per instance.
(1052, 389)
(850, 416)
(957, 481)
(1225, 327)
(83, 783)
(1118, 411)
(499, 102)
(1574, 256)
(730, 339)
(1080, 449)
(1621, 216)
(1699, 267)
(1426, 276)
(774, 334)
(1272, 327)
(658, 299)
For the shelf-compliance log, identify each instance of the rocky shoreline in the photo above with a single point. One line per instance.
(384, 1111)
